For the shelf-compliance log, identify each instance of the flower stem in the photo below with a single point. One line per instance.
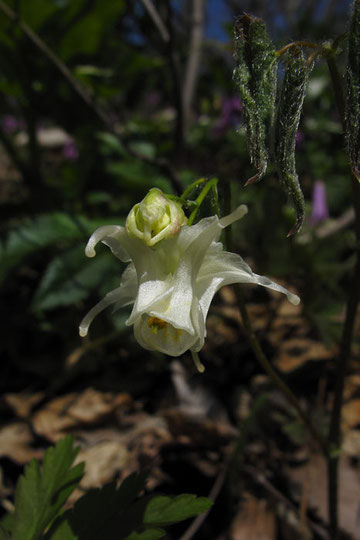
(342, 362)
(296, 44)
(266, 365)
(259, 353)
(210, 185)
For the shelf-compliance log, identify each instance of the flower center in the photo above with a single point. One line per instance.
(156, 324)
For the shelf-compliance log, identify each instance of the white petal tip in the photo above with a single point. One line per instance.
(83, 331)
(243, 209)
(90, 252)
(199, 365)
(237, 214)
(293, 298)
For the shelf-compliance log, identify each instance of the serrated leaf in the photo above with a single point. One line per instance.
(255, 78)
(41, 492)
(102, 513)
(286, 126)
(113, 513)
(163, 510)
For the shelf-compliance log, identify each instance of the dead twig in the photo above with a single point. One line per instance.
(192, 67)
(154, 15)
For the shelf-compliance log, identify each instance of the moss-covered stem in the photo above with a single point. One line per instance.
(343, 359)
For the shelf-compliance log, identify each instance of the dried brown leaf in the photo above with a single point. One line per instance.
(15, 443)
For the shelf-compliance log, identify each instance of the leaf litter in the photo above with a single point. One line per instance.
(185, 431)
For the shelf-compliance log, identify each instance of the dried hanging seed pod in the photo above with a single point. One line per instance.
(285, 129)
(255, 78)
(353, 91)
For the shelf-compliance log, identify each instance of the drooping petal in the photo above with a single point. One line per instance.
(266, 282)
(129, 284)
(98, 235)
(121, 297)
(118, 296)
(231, 268)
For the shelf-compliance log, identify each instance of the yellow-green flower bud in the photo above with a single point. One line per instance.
(156, 217)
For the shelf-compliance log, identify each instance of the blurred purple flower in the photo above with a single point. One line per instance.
(70, 150)
(10, 123)
(320, 210)
(229, 116)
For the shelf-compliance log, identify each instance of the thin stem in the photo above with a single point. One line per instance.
(157, 20)
(342, 362)
(259, 353)
(193, 185)
(266, 365)
(174, 66)
(192, 66)
(296, 44)
(210, 185)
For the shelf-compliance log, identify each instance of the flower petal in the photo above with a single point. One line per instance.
(157, 335)
(266, 282)
(231, 268)
(98, 235)
(118, 296)
(121, 296)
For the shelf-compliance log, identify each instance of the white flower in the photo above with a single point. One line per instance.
(171, 285)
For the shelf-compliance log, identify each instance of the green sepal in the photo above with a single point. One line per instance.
(353, 92)
(286, 126)
(255, 78)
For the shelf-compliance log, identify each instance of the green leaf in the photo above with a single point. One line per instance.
(114, 513)
(286, 125)
(255, 78)
(110, 144)
(162, 510)
(102, 513)
(36, 12)
(93, 20)
(71, 276)
(41, 492)
(42, 231)
(137, 176)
